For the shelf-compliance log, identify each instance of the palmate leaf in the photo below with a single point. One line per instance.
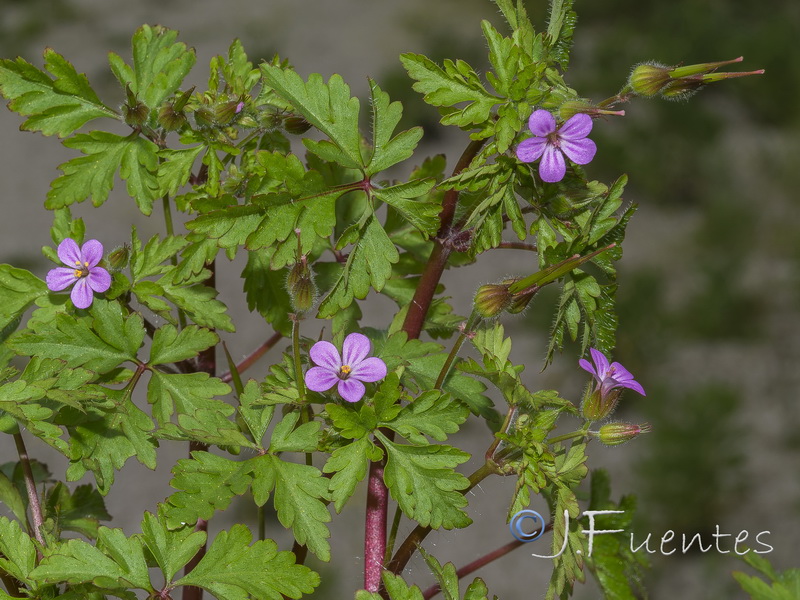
(234, 570)
(93, 448)
(170, 549)
(92, 175)
(433, 414)
(18, 290)
(300, 492)
(422, 481)
(116, 562)
(171, 345)
(17, 552)
(349, 465)
(56, 106)
(414, 202)
(288, 198)
(447, 87)
(369, 264)
(99, 344)
(388, 150)
(159, 64)
(328, 107)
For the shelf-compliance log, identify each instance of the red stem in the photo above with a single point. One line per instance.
(254, 356)
(30, 486)
(375, 527)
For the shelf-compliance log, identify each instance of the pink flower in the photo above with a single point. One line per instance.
(347, 371)
(551, 143)
(611, 376)
(82, 270)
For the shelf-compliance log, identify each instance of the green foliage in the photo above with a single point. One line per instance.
(784, 586)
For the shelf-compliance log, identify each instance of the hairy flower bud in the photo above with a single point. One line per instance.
(614, 434)
(225, 112)
(296, 125)
(598, 406)
(520, 300)
(170, 118)
(648, 79)
(492, 299)
(204, 117)
(300, 285)
(135, 114)
(118, 257)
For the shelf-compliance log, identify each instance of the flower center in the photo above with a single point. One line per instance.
(344, 371)
(82, 270)
(552, 138)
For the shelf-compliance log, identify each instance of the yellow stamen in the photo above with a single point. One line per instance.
(345, 370)
(78, 273)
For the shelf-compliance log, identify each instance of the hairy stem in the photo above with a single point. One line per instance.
(377, 492)
(414, 539)
(251, 359)
(518, 246)
(375, 527)
(30, 486)
(298, 368)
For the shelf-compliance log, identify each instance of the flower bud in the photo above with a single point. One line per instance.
(225, 112)
(204, 117)
(136, 114)
(614, 434)
(520, 300)
(118, 257)
(303, 294)
(492, 299)
(170, 118)
(296, 125)
(648, 79)
(598, 406)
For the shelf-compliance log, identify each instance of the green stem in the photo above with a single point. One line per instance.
(471, 323)
(298, 368)
(393, 534)
(566, 436)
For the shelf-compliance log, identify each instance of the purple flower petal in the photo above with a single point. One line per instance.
(600, 361)
(635, 386)
(99, 279)
(60, 278)
(552, 168)
(531, 149)
(587, 366)
(320, 379)
(576, 127)
(81, 295)
(355, 348)
(69, 253)
(92, 252)
(580, 152)
(326, 355)
(542, 123)
(351, 389)
(620, 373)
(369, 370)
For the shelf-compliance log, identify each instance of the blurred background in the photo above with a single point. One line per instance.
(709, 284)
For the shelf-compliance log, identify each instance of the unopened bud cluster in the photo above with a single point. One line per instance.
(678, 83)
(494, 298)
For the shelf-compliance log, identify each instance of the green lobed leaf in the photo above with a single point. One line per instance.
(171, 550)
(422, 481)
(328, 107)
(12, 498)
(100, 344)
(387, 150)
(206, 483)
(433, 414)
(447, 87)
(369, 264)
(414, 202)
(300, 492)
(17, 552)
(265, 290)
(92, 175)
(18, 290)
(233, 570)
(170, 345)
(349, 465)
(159, 64)
(80, 510)
(116, 562)
(256, 418)
(57, 106)
(175, 168)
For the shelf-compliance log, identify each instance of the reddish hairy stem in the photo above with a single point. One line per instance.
(377, 493)
(254, 356)
(30, 487)
(518, 246)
